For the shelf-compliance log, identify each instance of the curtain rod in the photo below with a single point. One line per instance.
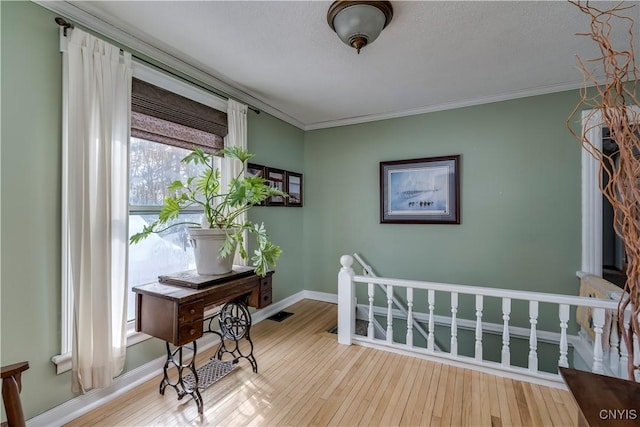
(66, 25)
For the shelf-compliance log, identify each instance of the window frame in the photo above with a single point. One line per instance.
(166, 81)
(592, 124)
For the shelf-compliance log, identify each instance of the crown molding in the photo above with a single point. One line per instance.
(446, 106)
(134, 40)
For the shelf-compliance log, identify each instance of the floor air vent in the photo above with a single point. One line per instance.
(280, 316)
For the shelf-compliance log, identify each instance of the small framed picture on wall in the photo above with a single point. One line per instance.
(294, 189)
(276, 179)
(255, 170)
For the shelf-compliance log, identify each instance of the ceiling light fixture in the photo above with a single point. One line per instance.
(359, 23)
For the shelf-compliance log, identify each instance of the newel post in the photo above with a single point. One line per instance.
(346, 298)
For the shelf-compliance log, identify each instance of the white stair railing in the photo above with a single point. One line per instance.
(348, 280)
(368, 271)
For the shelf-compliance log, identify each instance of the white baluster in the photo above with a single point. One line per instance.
(564, 319)
(479, 307)
(410, 317)
(624, 351)
(533, 337)
(389, 314)
(506, 311)
(454, 323)
(614, 343)
(346, 301)
(370, 328)
(598, 323)
(432, 305)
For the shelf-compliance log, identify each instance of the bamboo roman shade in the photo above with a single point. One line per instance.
(166, 117)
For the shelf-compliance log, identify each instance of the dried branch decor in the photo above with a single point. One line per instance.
(613, 96)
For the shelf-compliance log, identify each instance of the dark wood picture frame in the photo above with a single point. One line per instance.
(254, 169)
(276, 179)
(294, 189)
(420, 191)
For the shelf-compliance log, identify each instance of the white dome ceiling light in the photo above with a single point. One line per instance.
(359, 23)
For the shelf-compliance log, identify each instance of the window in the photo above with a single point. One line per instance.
(164, 127)
(169, 116)
(152, 167)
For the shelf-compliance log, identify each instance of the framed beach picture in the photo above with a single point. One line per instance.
(420, 191)
(294, 189)
(276, 178)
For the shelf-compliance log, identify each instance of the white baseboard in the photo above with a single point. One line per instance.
(82, 404)
(259, 315)
(320, 296)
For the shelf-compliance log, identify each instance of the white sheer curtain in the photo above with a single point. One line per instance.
(237, 137)
(96, 111)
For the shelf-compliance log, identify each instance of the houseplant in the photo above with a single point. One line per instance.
(613, 96)
(220, 232)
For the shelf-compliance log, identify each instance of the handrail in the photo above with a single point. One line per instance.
(491, 292)
(395, 300)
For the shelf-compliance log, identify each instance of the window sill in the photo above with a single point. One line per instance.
(63, 361)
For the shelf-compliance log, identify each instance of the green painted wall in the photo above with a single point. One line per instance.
(279, 145)
(30, 157)
(30, 199)
(520, 200)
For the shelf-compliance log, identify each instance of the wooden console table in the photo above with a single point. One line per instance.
(603, 401)
(175, 314)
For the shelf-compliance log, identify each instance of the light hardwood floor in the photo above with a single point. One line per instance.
(306, 378)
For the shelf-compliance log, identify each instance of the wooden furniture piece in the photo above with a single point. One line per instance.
(176, 315)
(11, 388)
(603, 401)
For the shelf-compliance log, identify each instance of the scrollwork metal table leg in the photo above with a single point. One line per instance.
(186, 384)
(235, 324)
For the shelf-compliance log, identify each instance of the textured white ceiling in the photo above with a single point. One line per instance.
(433, 55)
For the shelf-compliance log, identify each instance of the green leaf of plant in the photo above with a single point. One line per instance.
(228, 246)
(207, 184)
(146, 231)
(237, 194)
(175, 186)
(265, 258)
(170, 210)
(197, 157)
(237, 153)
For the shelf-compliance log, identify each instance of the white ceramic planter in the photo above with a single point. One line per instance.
(206, 244)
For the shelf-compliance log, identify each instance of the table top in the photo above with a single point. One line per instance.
(604, 401)
(233, 284)
(191, 278)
